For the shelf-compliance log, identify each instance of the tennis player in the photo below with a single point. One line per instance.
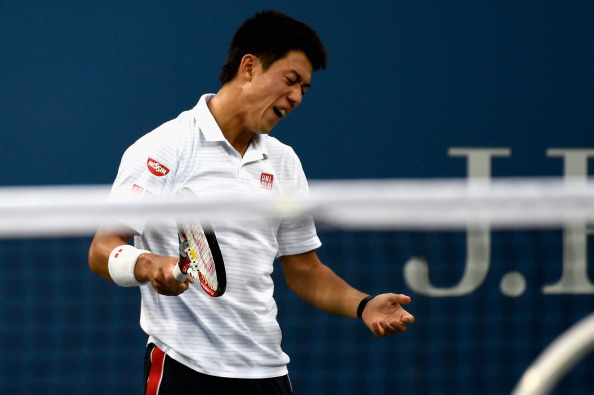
(231, 344)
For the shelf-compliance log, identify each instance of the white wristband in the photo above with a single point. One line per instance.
(122, 261)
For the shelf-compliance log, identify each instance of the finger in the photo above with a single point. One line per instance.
(402, 299)
(177, 286)
(398, 327)
(163, 290)
(173, 288)
(169, 292)
(182, 287)
(377, 329)
(393, 326)
(389, 329)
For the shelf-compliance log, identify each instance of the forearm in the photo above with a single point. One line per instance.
(318, 285)
(331, 293)
(101, 247)
(147, 266)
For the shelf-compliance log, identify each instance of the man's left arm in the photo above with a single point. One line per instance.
(318, 285)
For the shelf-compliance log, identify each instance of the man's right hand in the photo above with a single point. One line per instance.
(159, 271)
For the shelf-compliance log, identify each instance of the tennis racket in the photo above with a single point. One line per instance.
(200, 257)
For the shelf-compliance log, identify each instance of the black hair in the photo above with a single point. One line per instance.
(270, 35)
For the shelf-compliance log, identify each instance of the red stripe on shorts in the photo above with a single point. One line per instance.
(156, 374)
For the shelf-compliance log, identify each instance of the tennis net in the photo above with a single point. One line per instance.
(496, 270)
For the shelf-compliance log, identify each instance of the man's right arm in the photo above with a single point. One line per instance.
(101, 247)
(149, 267)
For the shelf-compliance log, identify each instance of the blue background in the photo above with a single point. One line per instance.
(406, 80)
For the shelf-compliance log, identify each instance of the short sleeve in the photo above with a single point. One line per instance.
(145, 172)
(298, 235)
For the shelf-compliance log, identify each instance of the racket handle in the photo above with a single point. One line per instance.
(178, 274)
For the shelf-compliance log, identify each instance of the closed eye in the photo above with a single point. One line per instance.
(304, 87)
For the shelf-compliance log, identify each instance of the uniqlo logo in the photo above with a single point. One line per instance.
(266, 180)
(156, 168)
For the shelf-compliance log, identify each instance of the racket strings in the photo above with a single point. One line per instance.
(202, 262)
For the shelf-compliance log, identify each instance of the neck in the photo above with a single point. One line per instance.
(226, 110)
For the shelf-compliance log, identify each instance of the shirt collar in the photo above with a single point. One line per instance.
(257, 149)
(208, 125)
(212, 132)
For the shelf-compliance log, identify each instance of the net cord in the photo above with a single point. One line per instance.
(347, 204)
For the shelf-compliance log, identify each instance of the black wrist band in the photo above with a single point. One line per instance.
(362, 305)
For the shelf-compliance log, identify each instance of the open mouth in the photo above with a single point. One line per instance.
(280, 112)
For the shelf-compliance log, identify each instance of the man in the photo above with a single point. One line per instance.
(231, 343)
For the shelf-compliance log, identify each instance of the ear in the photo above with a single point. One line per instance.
(248, 66)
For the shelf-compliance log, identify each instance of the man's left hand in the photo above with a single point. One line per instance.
(384, 314)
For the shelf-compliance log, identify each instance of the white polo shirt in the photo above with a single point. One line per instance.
(237, 334)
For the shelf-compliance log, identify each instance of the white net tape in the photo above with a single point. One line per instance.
(355, 205)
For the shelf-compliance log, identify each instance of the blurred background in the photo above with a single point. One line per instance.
(413, 89)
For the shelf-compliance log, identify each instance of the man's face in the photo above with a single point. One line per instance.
(274, 93)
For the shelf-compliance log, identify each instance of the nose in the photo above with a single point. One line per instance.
(295, 96)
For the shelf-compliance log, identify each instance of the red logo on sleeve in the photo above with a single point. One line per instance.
(266, 180)
(136, 191)
(156, 168)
